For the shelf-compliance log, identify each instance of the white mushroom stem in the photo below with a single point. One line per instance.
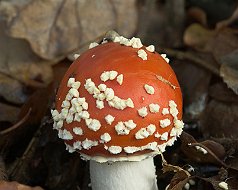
(123, 175)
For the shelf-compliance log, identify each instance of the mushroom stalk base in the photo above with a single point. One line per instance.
(123, 175)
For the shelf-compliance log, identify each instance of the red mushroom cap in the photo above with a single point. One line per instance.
(118, 103)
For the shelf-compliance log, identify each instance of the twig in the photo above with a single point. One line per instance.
(172, 167)
(192, 57)
(20, 164)
(3, 173)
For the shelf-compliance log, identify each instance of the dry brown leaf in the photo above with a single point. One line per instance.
(4, 185)
(19, 66)
(180, 176)
(219, 43)
(169, 167)
(178, 181)
(158, 21)
(225, 23)
(224, 43)
(214, 148)
(215, 180)
(232, 162)
(8, 113)
(229, 70)
(126, 22)
(204, 152)
(56, 28)
(198, 37)
(12, 90)
(194, 82)
(231, 146)
(33, 111)
(220, 119)
(197, 14)
(221, 92)
(18, 61)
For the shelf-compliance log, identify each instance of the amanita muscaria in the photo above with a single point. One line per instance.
(118, 105)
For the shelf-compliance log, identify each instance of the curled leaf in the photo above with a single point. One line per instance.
(198, 37)
(205, 152)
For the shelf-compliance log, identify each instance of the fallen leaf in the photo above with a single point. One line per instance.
(221, 92)
(33, 111)
(204, 152)
(223, 176)
(4, 185)
(169, 167)
(220, 119)
(229, 70)
(214, 148)
(218, 43)
(198, 37)
(223, 46)
(232, 162)
(178, 181)
(194, 82)
(61, 173)
(221, 11)
(39, 103)
(8, 113)
(198, 15)
(158, 21)
(58, 28)
(225, 23)
(231, 146)
(10, 136)
(180, 174)
(224, 42)
(216, 180)
(15, 126)
(12, 90)
(18, 61)
(20, 67)
(126, 22)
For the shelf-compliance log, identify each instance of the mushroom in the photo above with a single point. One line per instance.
(109, 109)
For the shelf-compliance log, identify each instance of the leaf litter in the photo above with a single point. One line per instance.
(32, 66)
